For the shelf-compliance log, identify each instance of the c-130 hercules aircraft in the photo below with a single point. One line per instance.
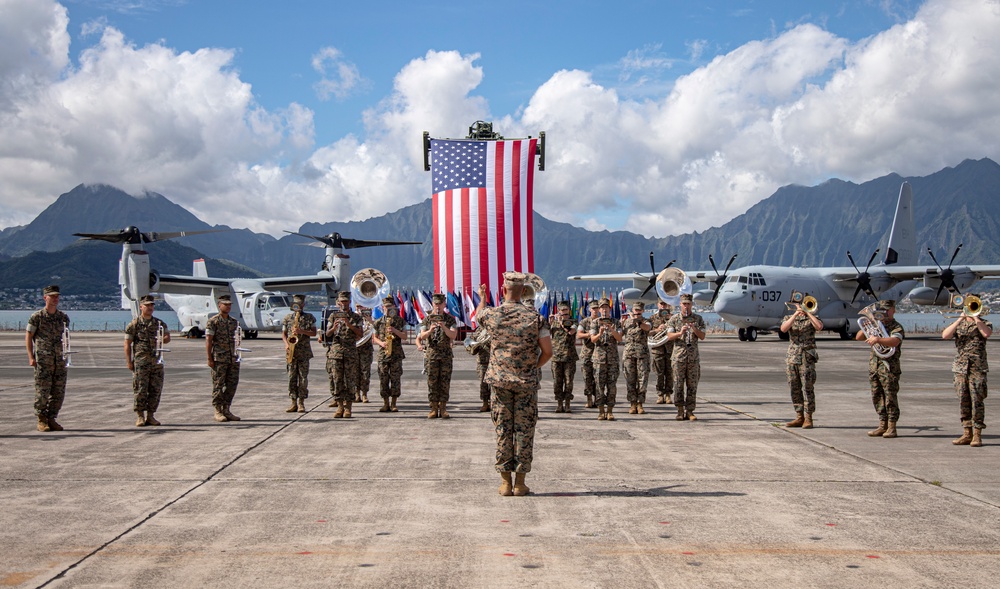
(753, 298)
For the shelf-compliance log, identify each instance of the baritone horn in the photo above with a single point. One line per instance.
(870, 321)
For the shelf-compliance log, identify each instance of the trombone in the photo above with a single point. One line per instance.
(808, 303)
(971, 305)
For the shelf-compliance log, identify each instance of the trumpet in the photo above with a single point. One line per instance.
(435, 322)
(66, 346)
(807, 302)
(238, 343)
(292, 338)
(160, 336)
(870, 321)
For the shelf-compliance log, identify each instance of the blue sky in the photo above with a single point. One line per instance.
(662, 117)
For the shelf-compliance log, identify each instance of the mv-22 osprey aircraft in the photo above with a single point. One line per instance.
(251, 296)
(753, 298)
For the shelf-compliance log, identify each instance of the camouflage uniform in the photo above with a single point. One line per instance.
(342, 357)
(685, 362)
(564, 357)
(883, 375)
(513, 379)
(390, 368)
(660, 358)
(366, 353)
(50, 365)
(438, 357)
(606, 365)
(482, 363)
(635, 359)
(226, 374)
(147, 374)
(298, 368)
(587, 359)
(970, 368)
(800, 363)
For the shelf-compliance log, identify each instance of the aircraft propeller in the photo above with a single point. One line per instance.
(947, 274)
(864, 278)
(335, 240)
(134, 236)
(652, 279)
(720, 279)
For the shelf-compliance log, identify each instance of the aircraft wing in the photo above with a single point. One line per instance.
(900, 273)
(192, 285)
(639, 279)
(308, 283)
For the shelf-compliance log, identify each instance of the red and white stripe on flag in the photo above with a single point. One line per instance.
(482, 211)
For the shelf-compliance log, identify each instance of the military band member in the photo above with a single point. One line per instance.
(220, 345)
(660, 356)
(635, 330)
(563, 331)
(883, 373)
(800, 363)
(366, 352)
(343, 330)
(437, 332)
(389, 337)
(605, 333)
(970, 368)
(44, 342)
(685, 330)
(301, 325)
(141, 345)
(482, 364)
(587, 353)
(521, 346)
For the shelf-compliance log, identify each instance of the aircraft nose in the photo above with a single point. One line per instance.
(723, 302)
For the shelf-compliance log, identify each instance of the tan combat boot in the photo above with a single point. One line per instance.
(566, 408)
(691, 416)
(485, 408)
(965, 439)
(392, 405)
(294, 408)
(43, 424)
(610, 416)
(140, 419)
(807, 423)
(506, 487)
(890, 432)
(601, 416)
(333, 403)
(661, 399)
(559, 408)
(229, 414)
(639, 409)
(798, 421)
(879, 430)
(434, 411)
(631, 409)
(340, 410)
(590, 402)
(219, 415)
(520, 489)
(302, 405)
(54, 426)
(385, 405)
(977, 439)
(347, 409)
(357, 397)
(680, 414)
(364, 397)
(150, 420)
(442, 412)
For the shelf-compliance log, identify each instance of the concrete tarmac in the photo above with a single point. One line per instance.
(398, 500)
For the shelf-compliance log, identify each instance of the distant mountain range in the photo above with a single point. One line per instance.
(797, 225)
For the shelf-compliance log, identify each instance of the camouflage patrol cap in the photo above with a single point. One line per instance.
(51, 289)
(299, 298)
(438, 297)
(224, 299)
(638, 307)
(605, 302)
(514, 278)
(887, 304)
(147, 300)
(389, 301)
(563, 305)
(593, 305)
(343, 296)
(686, 298)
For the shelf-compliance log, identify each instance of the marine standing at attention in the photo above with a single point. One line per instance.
(686, 329)
(437, 332)
(366, 352)
(605, 334)
(970, 368)
(296, 329)
(587, 354)
(343, 331)
(800, 363)
(883, 373)
(482, 355)
(389, 336)
(220, 345)
(144, 339)
(660, 355)
(636, 357)
(44, 342)
(563, 332)
(521, 346)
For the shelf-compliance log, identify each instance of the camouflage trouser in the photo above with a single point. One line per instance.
(343, 377)
(225, 379)
(971, 390)
(298, 379)
(607, 381)
(365, 355)
(686, 375)
(885, 388)
(50, 386)
(802, 378)
(664, 375)
(636, 377)
(562, 379)
(438, 380)
(515, 414)
(147, 384)
(389, 375)
(484, 389)
(589, 381)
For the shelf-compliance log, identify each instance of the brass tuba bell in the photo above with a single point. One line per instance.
(535, 290)
(368, 287)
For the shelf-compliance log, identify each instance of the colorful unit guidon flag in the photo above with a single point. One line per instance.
(482, 211)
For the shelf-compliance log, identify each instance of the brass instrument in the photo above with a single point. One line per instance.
(238, 341)
(971, 305)
(292, 338)
(808, 302)
(66, 345)
(870, 321)
(472, 345)
(388, 342)
(534, 290)
(368, 287)
(659, 338)
(160, 336)
(368, 330)
(671, 283)
(606, 322)
(338, 318)
(435, 324)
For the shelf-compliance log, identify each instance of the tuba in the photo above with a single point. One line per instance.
(535, 290)
(870, 321)
(368, 331)
(368, 287)
(671, 283)
(292, 338)
(472, 345)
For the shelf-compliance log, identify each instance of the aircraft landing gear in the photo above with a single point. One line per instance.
(194, 333)
(845, 334)
(252, 333)
(742, 334)
(751, 334)
(783, 336)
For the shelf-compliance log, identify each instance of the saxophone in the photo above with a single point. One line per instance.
(292, 338)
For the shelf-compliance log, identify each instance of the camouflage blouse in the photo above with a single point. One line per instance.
(801, 340)
(685, 350)
(892, 364)
(307, 322)
(971, 345)
(382, 325)
(47, 332)
(142, 333)
(636, 339)
(563, 341)
(438, 344)
(343, 342)
(223, 332)
(514, 334)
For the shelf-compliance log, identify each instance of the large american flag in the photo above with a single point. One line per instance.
(482, 211)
